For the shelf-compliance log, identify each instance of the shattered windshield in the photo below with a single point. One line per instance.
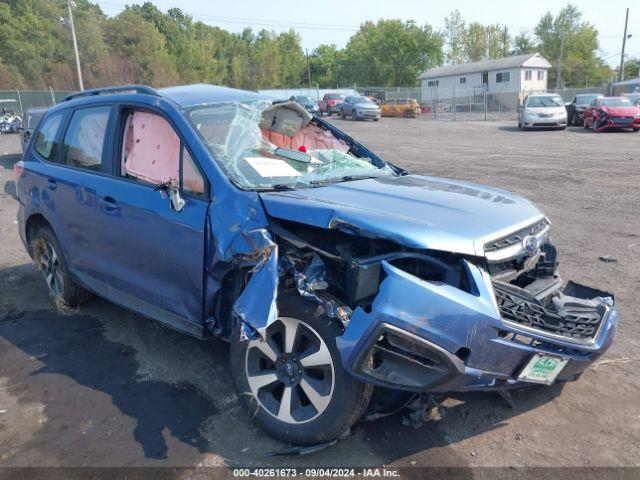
(615, 102)
(535, 102)
(278, 146)
(585, 99)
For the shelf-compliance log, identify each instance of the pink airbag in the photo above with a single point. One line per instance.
(152, 152)
(154, 149)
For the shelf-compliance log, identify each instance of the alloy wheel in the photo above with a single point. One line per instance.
(49, 265)
(291, 373)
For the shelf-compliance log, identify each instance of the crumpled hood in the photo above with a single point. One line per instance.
(414, 211)
(621, 111)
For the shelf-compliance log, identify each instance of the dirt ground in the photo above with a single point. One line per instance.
(105, 387)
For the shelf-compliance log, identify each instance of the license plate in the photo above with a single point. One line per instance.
(542, 369)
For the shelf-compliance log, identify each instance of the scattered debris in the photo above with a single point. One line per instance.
(413, 462)
(3, 411)
(38, 357)
(615, 361)
(245, 449)
(294, 451)
(519, 436)
(423, 408)
(607, 259)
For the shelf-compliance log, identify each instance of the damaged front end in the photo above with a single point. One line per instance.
(436, 321)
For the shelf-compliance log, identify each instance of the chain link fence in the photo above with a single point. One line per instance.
(438, 103)
(22, 100)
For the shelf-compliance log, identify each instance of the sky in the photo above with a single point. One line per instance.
(335, 21)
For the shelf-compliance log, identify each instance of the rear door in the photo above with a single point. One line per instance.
(152, 255)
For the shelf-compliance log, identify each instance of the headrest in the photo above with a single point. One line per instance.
(286, 118)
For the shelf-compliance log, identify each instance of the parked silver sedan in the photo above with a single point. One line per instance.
(542, 110)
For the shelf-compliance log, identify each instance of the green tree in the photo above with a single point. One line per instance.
(632, 68)
(475, 42)
(579, 59)
(326, 61)
(141, 50)
(391, 53)
(455, 31)
(523, 44)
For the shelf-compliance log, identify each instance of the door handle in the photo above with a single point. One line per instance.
(108, 204)
(52, 184)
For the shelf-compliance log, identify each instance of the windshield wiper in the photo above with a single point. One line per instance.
(346, 178)
(278, 187)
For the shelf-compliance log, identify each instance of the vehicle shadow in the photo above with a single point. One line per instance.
(8, 161)
(509, 128)
(10, 189)
(138, 392)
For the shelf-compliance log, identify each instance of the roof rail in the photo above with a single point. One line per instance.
(117, 89)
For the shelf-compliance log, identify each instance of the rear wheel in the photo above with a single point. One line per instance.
(293, 384)
(47, 255)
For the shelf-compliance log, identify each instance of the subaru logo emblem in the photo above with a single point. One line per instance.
(530, 244)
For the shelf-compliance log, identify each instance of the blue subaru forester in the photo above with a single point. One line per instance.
(331, 271)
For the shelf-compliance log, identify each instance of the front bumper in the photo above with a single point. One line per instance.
(368, 113)
(544, 122)
(619, 122)
(446, 339)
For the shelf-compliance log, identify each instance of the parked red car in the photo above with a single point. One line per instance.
(329, 103)
(612, 112)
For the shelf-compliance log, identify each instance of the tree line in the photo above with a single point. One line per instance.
(145, 45)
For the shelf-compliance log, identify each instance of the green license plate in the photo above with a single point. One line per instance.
(542, 369)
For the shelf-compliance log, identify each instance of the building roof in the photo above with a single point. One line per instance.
(528, 60)
(632, 81)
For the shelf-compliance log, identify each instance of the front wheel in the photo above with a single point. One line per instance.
(292, 384)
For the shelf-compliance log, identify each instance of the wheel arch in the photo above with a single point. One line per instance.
(35, 222)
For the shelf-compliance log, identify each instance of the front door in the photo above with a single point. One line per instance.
(153, 253)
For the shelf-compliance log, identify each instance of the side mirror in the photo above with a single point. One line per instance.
(171, 188)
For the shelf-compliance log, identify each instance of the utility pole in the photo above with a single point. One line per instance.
(624, 41)
(559, 68)
(75, 45)
(505, 41)
(308, 68)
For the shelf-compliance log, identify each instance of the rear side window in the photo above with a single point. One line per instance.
(84, 139)
(46, 138)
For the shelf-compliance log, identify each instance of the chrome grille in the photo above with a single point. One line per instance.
(622, 119)
(516, 237)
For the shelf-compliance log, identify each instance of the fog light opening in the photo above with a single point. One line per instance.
(463, 354)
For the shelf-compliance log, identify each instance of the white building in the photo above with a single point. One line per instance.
(522, 74)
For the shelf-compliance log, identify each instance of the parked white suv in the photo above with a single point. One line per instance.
(542, 110)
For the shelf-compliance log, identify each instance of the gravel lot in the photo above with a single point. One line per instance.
(105, 387)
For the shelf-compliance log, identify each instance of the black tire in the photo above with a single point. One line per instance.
(47, 255)
(342, 114)
(354, 116)
(349, 397)
(376, 119)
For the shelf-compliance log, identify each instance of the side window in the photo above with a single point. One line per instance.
(151, 153)
(46, 138)
(84, 139)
